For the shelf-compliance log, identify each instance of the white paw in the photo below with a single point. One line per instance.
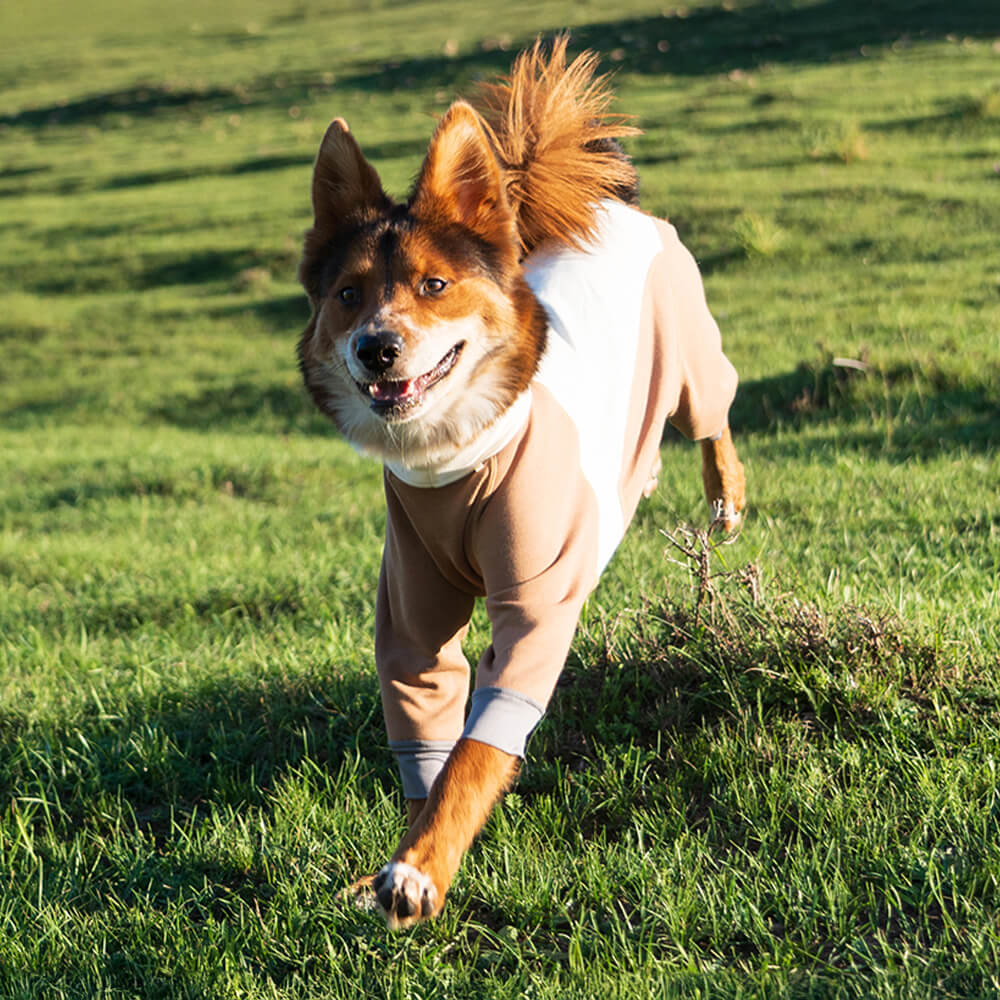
(725, 513)
(404, 894)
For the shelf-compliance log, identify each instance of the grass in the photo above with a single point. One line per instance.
(773, 777)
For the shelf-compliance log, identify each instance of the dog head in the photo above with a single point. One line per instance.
(423, 329)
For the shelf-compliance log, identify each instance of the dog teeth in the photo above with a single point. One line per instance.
(411, 390)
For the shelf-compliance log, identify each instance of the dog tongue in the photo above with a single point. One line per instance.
(392, 390)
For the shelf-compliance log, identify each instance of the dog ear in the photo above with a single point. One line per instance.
(344, 183)
(345, 190)
(461, 180)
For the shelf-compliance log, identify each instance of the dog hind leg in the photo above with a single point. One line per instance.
(414, 807)
(724, 479)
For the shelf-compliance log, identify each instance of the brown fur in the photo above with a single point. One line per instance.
(724, 479)
(457, 225)
(528, 167)
(346, 192)
(443, 826)
(462, 182)
(549, 123)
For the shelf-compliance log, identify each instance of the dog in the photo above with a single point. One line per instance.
(509, 342)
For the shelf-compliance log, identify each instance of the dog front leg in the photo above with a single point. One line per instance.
(412, 886)
(724, 479)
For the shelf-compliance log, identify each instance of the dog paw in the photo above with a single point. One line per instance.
(404, 894)
(726, 514)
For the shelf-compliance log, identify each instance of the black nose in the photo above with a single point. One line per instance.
(378, 351)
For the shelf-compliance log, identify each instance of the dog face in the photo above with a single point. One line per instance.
(423, 329)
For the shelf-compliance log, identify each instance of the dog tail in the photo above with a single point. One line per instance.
(556, 141)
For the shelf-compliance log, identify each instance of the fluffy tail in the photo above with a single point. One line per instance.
(556, 141)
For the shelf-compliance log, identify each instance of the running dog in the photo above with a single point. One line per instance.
(509, 342)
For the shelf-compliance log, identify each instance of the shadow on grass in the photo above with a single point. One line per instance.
(14, 173)
(717, 39)
(138, 100)
(246, 406)
(909, 411)
(665, 668)
(710, 39)
(157, 98)
(134, 795)
(261, 164)
(22, 182)
(286, 313)
(142, 796)
(144, 178)
(226, 743)
(147, 271)
(57, 407)
(256, 165)
(146, 780)
(670, 673)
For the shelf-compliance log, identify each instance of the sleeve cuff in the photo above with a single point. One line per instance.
(503, 719)
(419, 763)
(498, 717)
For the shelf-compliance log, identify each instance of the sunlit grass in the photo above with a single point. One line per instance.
(786, 788)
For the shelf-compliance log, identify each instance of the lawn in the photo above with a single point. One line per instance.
(771, 767)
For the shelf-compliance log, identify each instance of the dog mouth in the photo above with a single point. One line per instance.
(391, 397)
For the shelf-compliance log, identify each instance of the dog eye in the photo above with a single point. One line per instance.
(434, 286)
(350, 296)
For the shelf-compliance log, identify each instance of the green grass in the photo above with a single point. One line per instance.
(789, 789)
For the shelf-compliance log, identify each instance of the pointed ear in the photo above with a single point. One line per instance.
(344, 183)
(345, 190)
(461, 180)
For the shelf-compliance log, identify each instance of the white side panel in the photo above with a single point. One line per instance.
(594, 302)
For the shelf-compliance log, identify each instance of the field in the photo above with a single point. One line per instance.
(772, 767)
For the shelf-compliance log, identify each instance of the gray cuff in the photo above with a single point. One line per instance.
(503, 719)
(419, 762)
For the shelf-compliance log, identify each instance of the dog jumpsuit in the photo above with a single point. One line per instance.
(529, 517)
